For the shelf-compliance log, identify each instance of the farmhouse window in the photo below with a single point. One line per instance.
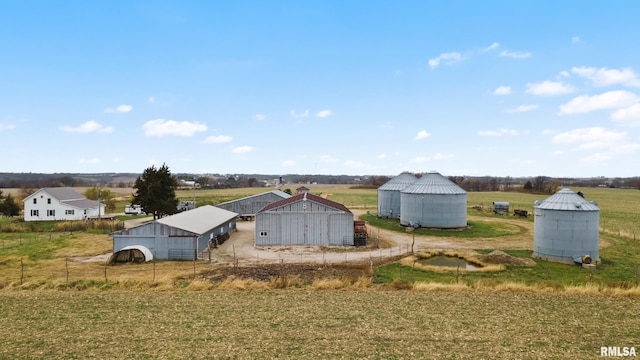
(35, 212)
(68, 212)
(49, 201)
(263, 234)
(51, 213)
(35, 201)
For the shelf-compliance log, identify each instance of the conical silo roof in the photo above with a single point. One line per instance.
(399, 182)
(567, 200)
(434, 183)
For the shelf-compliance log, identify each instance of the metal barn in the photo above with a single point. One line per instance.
(181, 236)
(304, 219)
(389, 195)
(566, 228)
(433, 201)
(247, 207)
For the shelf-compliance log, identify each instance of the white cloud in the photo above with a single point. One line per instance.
(4, 127)
(522, 108)
(295, 115)
(627, 117)
(260, 117)
(549, 88)
(324, 113)
(591, 138)
(440, 156)
(564, 74)
(87, 127)
(606, 77)
(420, 160)
(493, 46)
(119, 109)
(445, 58)
(288, 163)
(499, 132)
(242, 150)
(217, 139)
(576, 40)
(162, 127)
(422, 134)
(609, 100)
(515, 54)
(382, 156)
(502, 90)
(327, 159)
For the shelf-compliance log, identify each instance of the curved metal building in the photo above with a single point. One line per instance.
(433, 201)
(389, 195)
(566, 228)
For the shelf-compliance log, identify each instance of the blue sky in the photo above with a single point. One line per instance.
(502, 88)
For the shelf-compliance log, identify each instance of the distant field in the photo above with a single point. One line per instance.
(294, 324)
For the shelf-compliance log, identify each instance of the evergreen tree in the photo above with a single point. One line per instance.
(8, 205)
(156, 192)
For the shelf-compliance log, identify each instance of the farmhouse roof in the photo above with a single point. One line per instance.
(305, 197)
(199, 220)
(67, 196)
(566, 199)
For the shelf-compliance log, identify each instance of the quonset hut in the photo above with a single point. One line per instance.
(566, 228)
(247, 207)
(433, 201)
(389, 195)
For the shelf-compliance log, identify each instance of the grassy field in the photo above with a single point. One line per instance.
(293, 324)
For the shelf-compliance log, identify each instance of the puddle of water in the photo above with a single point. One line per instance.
(448, 261)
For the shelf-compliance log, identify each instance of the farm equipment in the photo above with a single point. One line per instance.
(520, 213)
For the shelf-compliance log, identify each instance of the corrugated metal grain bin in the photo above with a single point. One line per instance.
(566, 228)
(389, 195)
(433, 201)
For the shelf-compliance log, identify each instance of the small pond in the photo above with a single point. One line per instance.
(448, 261)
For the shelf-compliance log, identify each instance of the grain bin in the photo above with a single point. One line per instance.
(389, 195)
(566, 228)
(433, 201)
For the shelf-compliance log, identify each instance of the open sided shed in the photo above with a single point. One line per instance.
(181, 236)
(247, 207)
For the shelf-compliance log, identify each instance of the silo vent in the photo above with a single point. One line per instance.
(578, 205)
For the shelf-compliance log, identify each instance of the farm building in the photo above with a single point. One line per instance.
(304, 219)
(433, 201)
(60, 203)
(389, 195)
(566, 228)
(247, 207)
(181, 236)
(500, 207)
(302, 189)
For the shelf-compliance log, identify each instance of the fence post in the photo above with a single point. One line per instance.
(154, 269)
(21, 271)
(105, 272)
(66, 266)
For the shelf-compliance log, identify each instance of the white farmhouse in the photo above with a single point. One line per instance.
(60, 203)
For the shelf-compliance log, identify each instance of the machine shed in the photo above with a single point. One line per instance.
(433, 201)
(247, 207)
(181, 236)
(304, 219)
(389, 194)
(566, 228)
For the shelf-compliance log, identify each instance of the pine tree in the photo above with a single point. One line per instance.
(156, 192)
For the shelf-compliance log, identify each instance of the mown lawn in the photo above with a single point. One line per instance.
(293, 324)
